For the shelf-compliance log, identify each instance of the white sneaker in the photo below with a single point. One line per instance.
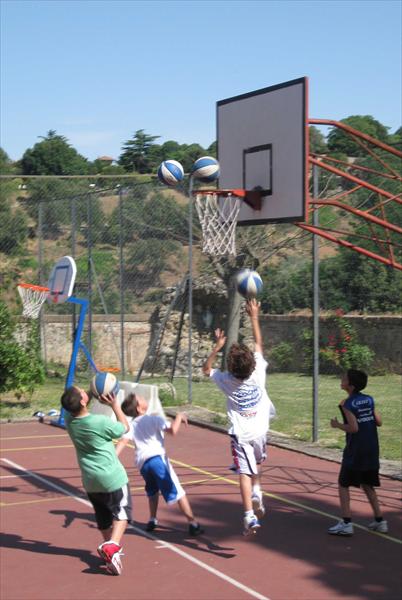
(380, 526)
(341, 528)
(251, 525)
(258, 506)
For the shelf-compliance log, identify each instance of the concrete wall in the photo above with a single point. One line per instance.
(382, 334)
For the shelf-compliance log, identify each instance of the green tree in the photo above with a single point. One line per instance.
(53, 156)
(317, 141)
(339, 141)
(20, 366)
(136, 152)
(14, 223)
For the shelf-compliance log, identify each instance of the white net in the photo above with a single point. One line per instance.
(32, 297)
(218, 212)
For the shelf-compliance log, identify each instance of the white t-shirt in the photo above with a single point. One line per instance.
(248, 405)
(147, 433)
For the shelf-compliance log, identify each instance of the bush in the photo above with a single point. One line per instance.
(338, 350)
(282, 357)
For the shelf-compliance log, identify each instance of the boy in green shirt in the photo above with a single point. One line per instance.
(103, 476)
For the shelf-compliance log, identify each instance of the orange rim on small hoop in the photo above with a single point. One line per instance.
(109, 369)
(32, 298)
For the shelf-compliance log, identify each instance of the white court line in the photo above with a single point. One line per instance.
(162, 543)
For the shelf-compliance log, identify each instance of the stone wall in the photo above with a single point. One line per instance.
(382, 334)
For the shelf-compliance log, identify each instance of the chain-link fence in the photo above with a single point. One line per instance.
(130, 241)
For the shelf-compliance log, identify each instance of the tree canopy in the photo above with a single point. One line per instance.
(53, 156)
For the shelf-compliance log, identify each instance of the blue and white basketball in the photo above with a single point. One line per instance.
(206, 169)
(103, 384)
(170, 172)
(249, 283)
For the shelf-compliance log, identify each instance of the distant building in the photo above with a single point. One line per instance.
(106, 159)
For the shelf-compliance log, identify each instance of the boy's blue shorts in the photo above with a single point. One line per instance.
(160, 476)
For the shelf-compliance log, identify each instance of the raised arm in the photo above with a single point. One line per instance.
(253, 311)
(180, 418)
(220, 342)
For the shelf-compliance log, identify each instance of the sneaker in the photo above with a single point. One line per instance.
(258, 506)
(379, 526)
(111, 552)
(195, 530)
(251, 525)
(341, 528)
(150, 526)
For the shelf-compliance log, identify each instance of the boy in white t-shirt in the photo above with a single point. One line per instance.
(147, 433)
(249, 409)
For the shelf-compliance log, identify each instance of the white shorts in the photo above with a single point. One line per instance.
(247, 455)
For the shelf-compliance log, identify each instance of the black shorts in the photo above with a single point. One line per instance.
(349, 477)
(111, 506)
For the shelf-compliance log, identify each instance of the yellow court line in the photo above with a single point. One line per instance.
(287, 501)
(7, 504)
(36, 448)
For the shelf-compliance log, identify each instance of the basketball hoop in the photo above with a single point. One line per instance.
(218, 211)
(32, 297)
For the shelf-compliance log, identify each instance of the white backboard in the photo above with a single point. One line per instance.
(263, 144)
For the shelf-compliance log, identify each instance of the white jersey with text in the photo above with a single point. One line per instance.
(248, 405)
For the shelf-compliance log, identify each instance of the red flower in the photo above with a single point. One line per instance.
(343, 350)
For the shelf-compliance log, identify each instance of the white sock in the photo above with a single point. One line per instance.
(249, 514)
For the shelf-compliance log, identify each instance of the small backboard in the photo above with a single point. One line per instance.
(263, 146)
(62, 280)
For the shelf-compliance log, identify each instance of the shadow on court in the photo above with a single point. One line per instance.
(16, 542)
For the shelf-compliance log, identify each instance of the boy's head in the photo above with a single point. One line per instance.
(355, 379)
(240, 361)
(74, 399)
(134, 405)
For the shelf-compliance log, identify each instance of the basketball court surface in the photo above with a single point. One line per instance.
(49, 536)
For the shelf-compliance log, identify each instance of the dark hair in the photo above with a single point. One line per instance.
(71, 400)
(240, 361)
(357, 378)
(129, 406)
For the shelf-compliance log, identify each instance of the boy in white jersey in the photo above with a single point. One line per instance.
(147, 433)
(249, 409)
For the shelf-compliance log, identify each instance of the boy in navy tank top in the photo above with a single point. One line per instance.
(360, 461)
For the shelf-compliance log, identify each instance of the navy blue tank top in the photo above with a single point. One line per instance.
(361, 452)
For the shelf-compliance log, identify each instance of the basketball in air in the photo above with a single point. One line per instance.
(103, 384)
(205, 169)
(248, 283)
(170, 172)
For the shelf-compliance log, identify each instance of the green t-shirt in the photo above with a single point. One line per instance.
(92, 437)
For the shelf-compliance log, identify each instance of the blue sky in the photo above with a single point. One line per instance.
(96, 71)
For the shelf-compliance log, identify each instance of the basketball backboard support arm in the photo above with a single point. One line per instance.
(77, 346)
(385, 243)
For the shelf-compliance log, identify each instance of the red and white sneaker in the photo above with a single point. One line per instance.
(111, 553)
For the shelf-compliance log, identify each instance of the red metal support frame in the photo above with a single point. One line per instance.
(343, 200)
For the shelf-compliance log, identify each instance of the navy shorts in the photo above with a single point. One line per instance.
(160, 476)
(111, 506)
(350, 478)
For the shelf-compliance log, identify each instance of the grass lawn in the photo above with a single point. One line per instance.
(290, 392)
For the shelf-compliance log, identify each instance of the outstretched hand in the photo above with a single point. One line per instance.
(220, 339)
(253, 307)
